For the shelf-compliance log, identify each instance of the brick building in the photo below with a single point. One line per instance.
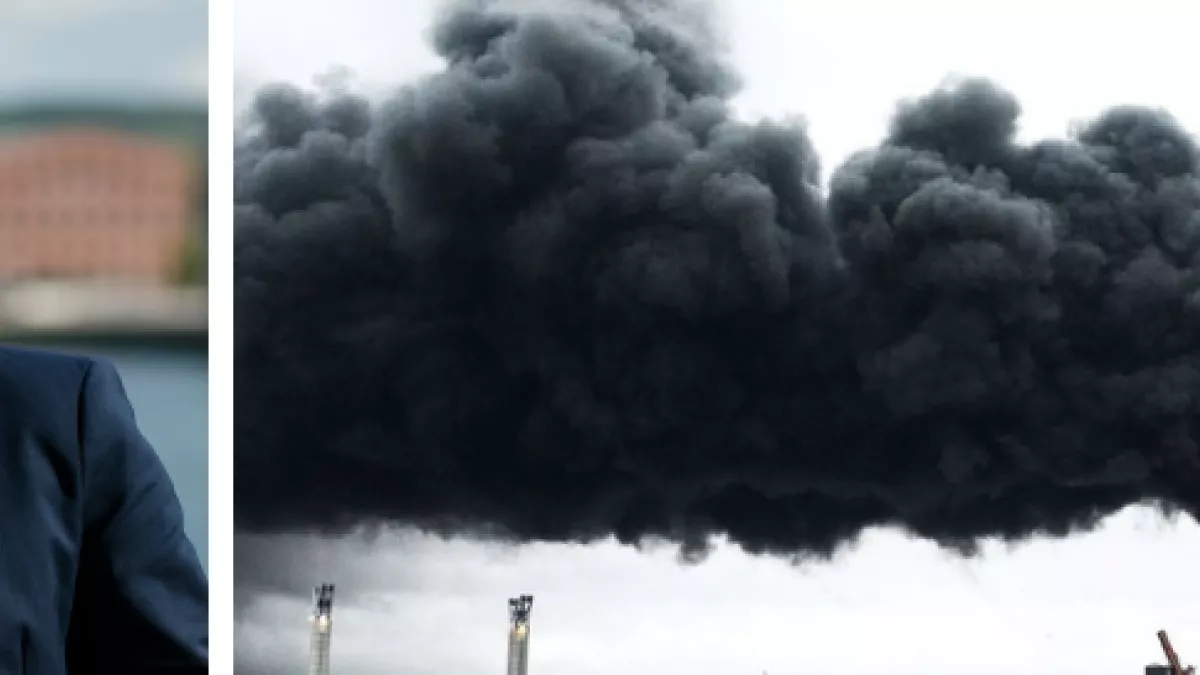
(93, 203)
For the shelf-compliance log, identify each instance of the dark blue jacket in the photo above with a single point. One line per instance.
(96, 573)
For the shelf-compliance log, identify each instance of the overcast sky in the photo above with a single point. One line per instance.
(1087, 606)
(112, 50)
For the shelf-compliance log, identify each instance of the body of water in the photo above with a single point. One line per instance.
(168, 386)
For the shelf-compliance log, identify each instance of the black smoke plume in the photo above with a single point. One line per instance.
(556, 291)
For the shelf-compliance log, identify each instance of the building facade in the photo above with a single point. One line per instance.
(81, 203)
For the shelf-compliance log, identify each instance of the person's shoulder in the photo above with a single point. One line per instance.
(17, 362)
(40, 377)
(34, 357)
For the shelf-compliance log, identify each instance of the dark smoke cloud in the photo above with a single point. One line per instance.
(557, 292)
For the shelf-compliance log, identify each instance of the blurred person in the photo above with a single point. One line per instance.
(96, 572)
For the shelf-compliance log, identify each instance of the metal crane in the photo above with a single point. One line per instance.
(1172, 657)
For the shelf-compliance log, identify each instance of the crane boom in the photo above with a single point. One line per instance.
(1173, 658)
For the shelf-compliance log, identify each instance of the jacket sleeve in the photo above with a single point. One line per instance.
(141, 597)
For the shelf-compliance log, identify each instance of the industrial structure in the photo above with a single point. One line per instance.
(322, 626)
(1174, 666)
(519, 609)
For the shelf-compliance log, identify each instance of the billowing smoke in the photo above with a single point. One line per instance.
(556, 291)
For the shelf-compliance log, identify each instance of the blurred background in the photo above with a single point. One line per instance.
(103, 193)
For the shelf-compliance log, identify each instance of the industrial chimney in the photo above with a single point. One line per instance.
(518, 634)
(322, 626)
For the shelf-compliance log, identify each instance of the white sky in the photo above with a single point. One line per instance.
(1087, 606)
